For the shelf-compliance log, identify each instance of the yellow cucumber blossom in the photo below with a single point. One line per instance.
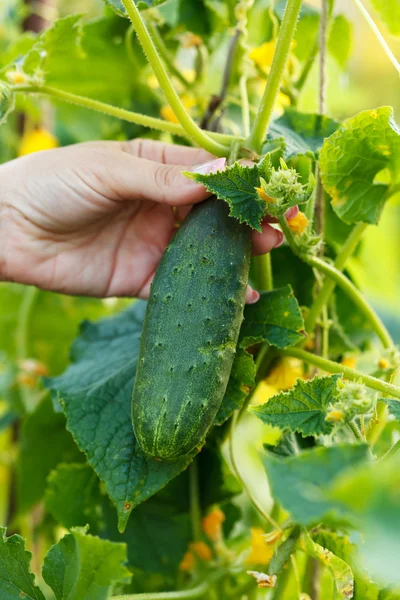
(37, 140)
(212, 524)
(201, 550)
(383, 364)
(263, 580)
(286, 373)
(187, 563)
(191, 40)
(261, 553)
(335, 416)
(263, 392)
(264, 196)
(349, 361)
(263, 55)
(17, 77)
(299, 223)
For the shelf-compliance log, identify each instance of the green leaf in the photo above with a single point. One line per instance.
(389, 11)
(299, 482)
(6, 102)
(16, 579)
(276, 318)
(95, 393)
(372, 498)
(72, 495)
(83, 567)
(300, 133)
(394, 407)
(340, 42)
(303, 409)
(96, 48)
(353, 161)
(44, 443)
(241, 381)
(341, 572)
(364, 587)
(236, 185)
(288, 268)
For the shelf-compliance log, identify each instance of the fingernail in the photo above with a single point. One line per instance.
(292, 212)
(280, 238)
(212, 166)
(254, 297)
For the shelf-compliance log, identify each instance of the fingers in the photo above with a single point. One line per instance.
(141, 179)
(267, 240)
(251, 295)
(166, 153)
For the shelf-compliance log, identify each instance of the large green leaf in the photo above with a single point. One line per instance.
(340, 42)
(44, 442)
(394, 408)
(299, 482)
(95, 393)
(300, 133)
(372, 497)
(302, 409)
(389, 11)
(83, 567)
(16, 579)
(364, 151)
(276, 318)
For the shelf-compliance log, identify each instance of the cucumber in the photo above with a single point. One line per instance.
(190, 332)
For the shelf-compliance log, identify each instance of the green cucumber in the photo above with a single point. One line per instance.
(190, 332)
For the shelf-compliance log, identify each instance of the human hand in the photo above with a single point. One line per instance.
(94, 219)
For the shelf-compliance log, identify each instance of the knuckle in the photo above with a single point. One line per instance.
(164, 178)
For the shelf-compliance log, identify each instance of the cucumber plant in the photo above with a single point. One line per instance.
(258, 456)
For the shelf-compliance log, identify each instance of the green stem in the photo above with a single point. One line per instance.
(276, 74)
(120, 113)
(392, 452)
(378, 35)
(245, 106)
(300, 83)
(357, 433)
(332, 367)
(195, 509)
(262, 273)
(193, 130)
(196, 592)
(329, 285)
(22, 336)
(164, 53)
(355, 295)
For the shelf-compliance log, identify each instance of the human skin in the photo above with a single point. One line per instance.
(94, 219)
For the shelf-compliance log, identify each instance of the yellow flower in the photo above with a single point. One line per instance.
(202, 550)
(37, 140)
(265, 196)
(152, 82)
(212, 524)
(16, 77)
(285, 374)
(262, 55)
(34, 367)
(335, 416)
(168, 114)
(263, 392)
(191, 40)
(187, 562)
(349, 361)
(299, 223)
(261, 553)
(383, 363)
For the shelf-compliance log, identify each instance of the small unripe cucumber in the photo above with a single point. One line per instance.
(190, 331)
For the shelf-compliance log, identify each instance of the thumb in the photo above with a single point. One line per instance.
(162, 183)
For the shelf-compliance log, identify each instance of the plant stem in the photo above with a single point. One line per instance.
(195, 509)
(378, 35)
(245, 106)
(392, 452)
(196, 592)
(120, 113)
(236, 470)
(276, 74)
(323, 30)
(355, 295)
(164, 53)
(332, 367)
(193, 130)
(356, 431)
(263, 278)
(328, 287)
